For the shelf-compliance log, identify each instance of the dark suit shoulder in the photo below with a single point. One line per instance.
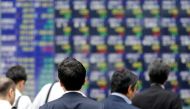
(50, 104)
(79, 103)
(170, 93)
(115, 102)
(133, 107)
(91, 102)
(156, 98)
(155, 91)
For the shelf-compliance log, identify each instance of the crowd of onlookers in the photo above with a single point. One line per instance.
(66, 94)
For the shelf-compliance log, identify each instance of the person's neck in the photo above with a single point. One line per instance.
(129, 97)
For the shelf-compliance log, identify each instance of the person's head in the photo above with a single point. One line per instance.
(71, 74)
(7, 89)
(124, 82)
(18, 75)
(158, 71)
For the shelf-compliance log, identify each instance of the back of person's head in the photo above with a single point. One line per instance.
(71, 74)
(7, 89)
(122, 80)
(17, 73)
(158, 71)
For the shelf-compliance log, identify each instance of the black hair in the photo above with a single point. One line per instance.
(71, 74)
(158, 71)
(5, 85)
(16, 73)
(122, 79)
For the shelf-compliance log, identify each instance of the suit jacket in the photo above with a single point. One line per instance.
(116, 102)
(157, 98)
(72, 100)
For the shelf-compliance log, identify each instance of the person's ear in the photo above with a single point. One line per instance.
(12, 92)
(21, 85)
(130, 91)
(11, 95)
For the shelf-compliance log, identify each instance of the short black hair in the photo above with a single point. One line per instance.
(17, 73)
(158, 71)
(71, 74)
(122, 79)
(5, 85)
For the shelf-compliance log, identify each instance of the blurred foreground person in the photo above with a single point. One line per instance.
(156, 97)
(49, 92)
(123, 88)
(72, 75)
(7, 93)
(18, 75)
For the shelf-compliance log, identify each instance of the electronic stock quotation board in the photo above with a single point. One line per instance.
(103, 34)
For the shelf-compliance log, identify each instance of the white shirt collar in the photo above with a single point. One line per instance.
(76, 92)
(18, 93)
(127, 100)
(5, 104)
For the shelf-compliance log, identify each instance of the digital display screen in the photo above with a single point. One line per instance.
(103, 34)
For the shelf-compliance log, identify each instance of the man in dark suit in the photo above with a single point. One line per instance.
(156, 97)
(72, 74)
(123, 88)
